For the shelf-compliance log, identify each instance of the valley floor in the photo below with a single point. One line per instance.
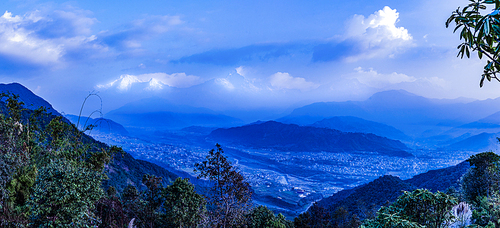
(288, 182)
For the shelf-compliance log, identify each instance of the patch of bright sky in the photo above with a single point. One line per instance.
(233, 54)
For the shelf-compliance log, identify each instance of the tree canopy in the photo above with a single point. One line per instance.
(479, 26)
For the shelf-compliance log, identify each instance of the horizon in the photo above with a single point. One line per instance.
(232, 57)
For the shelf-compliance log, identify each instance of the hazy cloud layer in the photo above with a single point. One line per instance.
(139, 31)
(236, 56)
(155, 81)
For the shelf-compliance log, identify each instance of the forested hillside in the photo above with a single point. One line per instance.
(291, 137)
(53, 175)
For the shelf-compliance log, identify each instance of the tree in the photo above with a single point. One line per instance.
(480, 32)
(261, 216)
(184, 207)
(65, 194)
(420, 208)
(153, 201)
(481, 180)
(17, 172)
(230, 197)
(132, 203)
(110, 210)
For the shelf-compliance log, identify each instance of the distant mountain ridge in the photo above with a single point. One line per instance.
(405, 111)
(159, 113)
(291, 137)
(355, 124)
(100, 124)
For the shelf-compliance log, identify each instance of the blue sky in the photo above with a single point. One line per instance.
(233, 55)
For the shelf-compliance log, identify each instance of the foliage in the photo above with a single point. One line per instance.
(482, 178)
(153, 200)
(65, 194)
(131, 201)
(261, 216)
(49, 175)
(420, 208)
(17, 172)
(480, 32)
(110, 210)
(487, 211)
(184, 207)
(230, 197)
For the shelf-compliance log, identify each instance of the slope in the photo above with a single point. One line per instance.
(366, 199)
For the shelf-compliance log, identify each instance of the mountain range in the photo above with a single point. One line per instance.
(158, 113)
(292, 137)
(414, 115)
(346, 133)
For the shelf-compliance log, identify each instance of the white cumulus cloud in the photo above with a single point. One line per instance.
(282, 80)
(377, 34)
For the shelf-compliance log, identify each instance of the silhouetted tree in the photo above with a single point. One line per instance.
(183, 206)
(230, 196)
(110, 210)
(482, 179)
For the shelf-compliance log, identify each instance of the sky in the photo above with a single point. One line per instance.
(233, 55)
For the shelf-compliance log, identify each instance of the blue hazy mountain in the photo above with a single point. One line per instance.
(100, 124)
(414, 115)
(491, 121)
(478, 135)
(292, 137)
(355, 124)
(31, 101)
(160, 114)
(478, 143)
